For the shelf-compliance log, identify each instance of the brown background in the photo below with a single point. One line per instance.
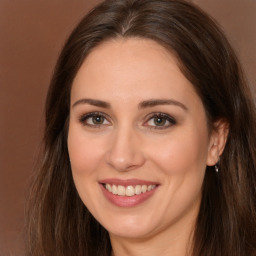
(31, 36)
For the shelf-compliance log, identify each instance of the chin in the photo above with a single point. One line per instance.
(133, 227)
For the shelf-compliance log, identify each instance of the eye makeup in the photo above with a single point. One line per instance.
(159, 120)
(95, 119)
(156, 120)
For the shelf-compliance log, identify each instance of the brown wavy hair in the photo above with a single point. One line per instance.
(59, 224)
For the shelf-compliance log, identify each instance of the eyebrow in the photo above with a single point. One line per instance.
(97, 103)
(143, 104)
(157, 102)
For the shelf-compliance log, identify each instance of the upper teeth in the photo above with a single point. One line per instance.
(129, 190)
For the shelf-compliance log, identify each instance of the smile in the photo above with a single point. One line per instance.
(129, 190)
(128, 193)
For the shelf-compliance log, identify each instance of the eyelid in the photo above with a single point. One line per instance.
(169, 118)
(86, 116)
(172, 121)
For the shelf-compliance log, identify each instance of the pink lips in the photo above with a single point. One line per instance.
(127, 201)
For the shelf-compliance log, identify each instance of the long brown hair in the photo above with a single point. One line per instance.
(58, 223)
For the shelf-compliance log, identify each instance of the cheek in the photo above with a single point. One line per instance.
(84, 152)
(183, 162)
(85, 155)
(185, 152)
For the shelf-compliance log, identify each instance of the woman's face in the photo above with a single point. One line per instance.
(138, 139)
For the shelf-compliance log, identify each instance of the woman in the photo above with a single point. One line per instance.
(149, 140)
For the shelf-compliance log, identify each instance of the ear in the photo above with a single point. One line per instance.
(217, 141)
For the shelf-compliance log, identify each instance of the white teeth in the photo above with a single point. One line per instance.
(144, 188)
(121, 190)
(150, 187)
(129, 190)
(108, 187)
(114, 189)
(138, 189)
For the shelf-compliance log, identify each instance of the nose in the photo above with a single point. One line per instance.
(125, 152)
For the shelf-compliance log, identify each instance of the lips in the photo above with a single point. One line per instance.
(127, 193)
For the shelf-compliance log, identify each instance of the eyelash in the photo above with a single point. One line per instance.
(163, 116)
(84, 120)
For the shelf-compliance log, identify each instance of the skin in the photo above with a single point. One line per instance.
(127, 143)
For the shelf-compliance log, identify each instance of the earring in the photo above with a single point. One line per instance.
(216, 167)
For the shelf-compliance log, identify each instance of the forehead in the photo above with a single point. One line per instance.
(135, 68)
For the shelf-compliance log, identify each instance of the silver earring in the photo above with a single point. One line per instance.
(216, 167)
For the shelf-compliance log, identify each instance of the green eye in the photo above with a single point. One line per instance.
(94, 120)
(98, 119)
(159, 121)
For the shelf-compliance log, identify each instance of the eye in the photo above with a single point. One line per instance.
(160, 121)
(94, 119)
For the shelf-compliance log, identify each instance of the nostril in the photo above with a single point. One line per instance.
(125, 161)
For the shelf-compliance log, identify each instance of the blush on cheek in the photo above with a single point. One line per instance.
(84, 156)
(176, 157)
(82, 163)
